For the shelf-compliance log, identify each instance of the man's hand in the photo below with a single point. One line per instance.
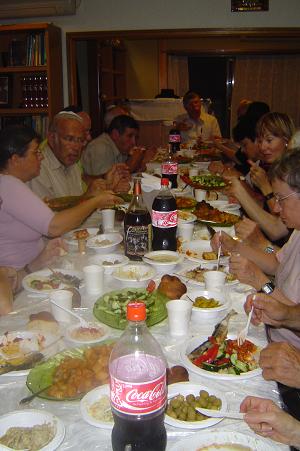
(118, 178)
(250, 232)
(259, 178)
(227, 243)
(265, 418)
(96, 186)
(280, 362)
(268, 310)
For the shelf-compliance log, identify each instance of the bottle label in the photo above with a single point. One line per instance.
(169, 168)
(137, 240)
(138, 398)
(174, 138)
(164, 219)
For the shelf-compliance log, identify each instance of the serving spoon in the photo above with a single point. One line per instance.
(83, 322)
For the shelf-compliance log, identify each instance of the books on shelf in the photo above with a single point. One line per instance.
(39, 123)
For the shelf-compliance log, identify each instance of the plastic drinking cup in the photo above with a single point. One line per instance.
(63, 298)
(179, 315)
(93, 279)
(214, 280)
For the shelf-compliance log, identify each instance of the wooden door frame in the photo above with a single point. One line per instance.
(229, 42)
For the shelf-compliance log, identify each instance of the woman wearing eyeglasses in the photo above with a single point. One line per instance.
(253, 266)
(24, 218)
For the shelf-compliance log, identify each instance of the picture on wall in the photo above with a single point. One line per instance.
(249, 5)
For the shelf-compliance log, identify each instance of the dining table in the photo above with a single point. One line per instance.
(84, 437)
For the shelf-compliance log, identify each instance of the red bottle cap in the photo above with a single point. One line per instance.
(136, 311)
(164, 182)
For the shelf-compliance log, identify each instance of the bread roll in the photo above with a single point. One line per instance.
(43, 322)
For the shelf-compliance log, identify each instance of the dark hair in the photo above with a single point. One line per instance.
(245, 128)
(257, 109)
(122, 122)
(287, 169)
(188, 96)
(15, 140)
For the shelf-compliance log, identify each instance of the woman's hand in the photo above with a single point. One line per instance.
(259, 178)
(107, 199)
(246, 271)
(54, 248)
(265, 418)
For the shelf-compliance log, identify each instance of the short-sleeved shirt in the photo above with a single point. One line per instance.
(206, 127)
(100, 155)
(24, 218)
(287, 279)
(56, 180)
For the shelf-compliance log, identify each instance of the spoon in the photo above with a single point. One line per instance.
(31, 397)
(219, 253)
(220, 413)
(83, 322)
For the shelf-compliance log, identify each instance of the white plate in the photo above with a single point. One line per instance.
(108, 269)
(30, 418)
(202, 284)
(102, 327)
(140, 273)
(166, 266)
(88, 400)
(49, 345)
(218, 437)
(186, 216)
(186, 388)
(45, 274)
(196, 341)
(114, 238)
(69, 237)
(197, 247)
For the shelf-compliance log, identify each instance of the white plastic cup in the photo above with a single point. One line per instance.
(193, 172)
(63, 298)
(200, 194)
(108, 219)
(179, 315)
(185, 231)
(93, 279)
(214, 280)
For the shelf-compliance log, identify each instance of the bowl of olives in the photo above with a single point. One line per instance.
(208, 306)
(184, 397)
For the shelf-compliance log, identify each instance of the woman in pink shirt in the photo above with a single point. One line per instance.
(24, 218)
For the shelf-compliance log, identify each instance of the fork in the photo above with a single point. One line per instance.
(242, 335)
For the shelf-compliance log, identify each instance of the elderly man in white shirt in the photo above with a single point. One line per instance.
(196, 124)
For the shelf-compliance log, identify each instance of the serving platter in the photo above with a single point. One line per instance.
(44, 275)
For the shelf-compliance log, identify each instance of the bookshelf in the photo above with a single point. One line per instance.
(31, 90)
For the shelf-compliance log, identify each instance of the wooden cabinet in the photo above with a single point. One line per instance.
(31, 90)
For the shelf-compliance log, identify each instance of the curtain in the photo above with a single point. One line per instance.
(178, 74)
(271, 79)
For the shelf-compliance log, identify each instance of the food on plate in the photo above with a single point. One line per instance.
(81, 234)
(134, 272)
(75, 376)
(61, 203)
(203, 302)
(182, 159)
(221, 355)
(185, 202)
(172, 287)
(29, 438)
(176, 374)
(22, 363)
(111, 308)
(225, 447)
(183, 408)
(209, 255)
(205, 212)
(53, 281)
(82, 333)
(205, 181)
(197, 274)
(100, 410)
(163, 258)
(43, 321)
(105, 242)
(111, 263)
(185, 215)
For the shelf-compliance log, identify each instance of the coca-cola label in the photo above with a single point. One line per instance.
(174, 138)
(138, 398)
(169, 168)
(137, 240)
(164, 219)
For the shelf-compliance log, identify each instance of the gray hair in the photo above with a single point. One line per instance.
(64, 115)
(287, 169)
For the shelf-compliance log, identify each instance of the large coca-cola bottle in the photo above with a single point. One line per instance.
(164, 219)
(174, 138)
(137, 225)
(138, 390)
(169, 169)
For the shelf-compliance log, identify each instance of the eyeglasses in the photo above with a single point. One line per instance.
(279, 199)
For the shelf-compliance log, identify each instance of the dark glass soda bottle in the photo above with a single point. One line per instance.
(137, 225)
(164, 219)
(138, 391)
(169, 169)
(174, 138)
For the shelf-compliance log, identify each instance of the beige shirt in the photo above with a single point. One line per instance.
(100, 155)
(55, 180)
(206, 127)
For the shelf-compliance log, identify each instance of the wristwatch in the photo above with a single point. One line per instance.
(269, 250)
(267, 288)
(269, 196)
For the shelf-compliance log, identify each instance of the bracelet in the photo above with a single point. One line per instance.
(269, 196)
